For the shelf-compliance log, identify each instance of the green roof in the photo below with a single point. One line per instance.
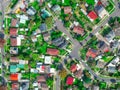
(20, 65)
(13, 68)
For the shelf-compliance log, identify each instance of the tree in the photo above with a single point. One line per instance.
(63, 73)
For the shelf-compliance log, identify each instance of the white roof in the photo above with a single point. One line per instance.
(18, 41)
(52, 70)
(48, 60)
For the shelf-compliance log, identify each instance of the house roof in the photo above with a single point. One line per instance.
(91, 53)
(51, 51)
(67, 10)
(43, 27)
(15, 86)
(78, 73)
(13, 68)
(13, 41)
(78, 30)
(13, 22)
(41, 78)
(69, 80)
(73, 68)
(14, 77)
(13, 31)
(93, 15)
(14, 60)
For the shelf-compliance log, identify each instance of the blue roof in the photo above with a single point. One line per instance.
(1, 35)
(43, 27)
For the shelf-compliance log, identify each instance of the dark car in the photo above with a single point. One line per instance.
(80, 43)
(91, 35)
(119, 5)
(113, 80)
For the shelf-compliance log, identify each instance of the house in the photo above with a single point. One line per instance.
(31, 11)
(14, 60)
(41, 2)
(43, 27)
(15, 86)
(56, 8)
(23, 61)
(44, 86)
(15, 41)
(45, 14)
(69, 80)
(105, 3)
(24, 85)
(92, 53)
(1, 35)
(101, 11)
(73, 68)
(48, 60)
(34, 39)
(111, 68)
(67, 10)
(23, 19)
(103, 46)
(13, 68)
(92, 15)
(46, 36)
(41, 79)
(110, 36)
(78, 30)
(14, 23)
(14, 77)
(13, 50)
(53, 52)
(100, 63)
(13, 31)
(115, 61)
(95, 87)
(78, 73)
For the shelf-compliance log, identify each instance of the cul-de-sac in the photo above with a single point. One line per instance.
(59, 44)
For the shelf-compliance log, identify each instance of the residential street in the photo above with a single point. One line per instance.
(77, 46)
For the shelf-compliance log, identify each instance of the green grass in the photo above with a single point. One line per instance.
(110, 6)
(107, 59)
(103, 85)
(90, 2)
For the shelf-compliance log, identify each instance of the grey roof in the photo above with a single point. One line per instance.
(43, 27)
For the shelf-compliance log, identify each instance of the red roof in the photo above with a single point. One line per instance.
(73, 68)
(93, 15)
(41, 79)
(15, 86)
(69, 80)
(13, 31)
(14, 22)
(99, 3)
(14, 77)
(91, 53)
(106, 49)
(78, 30)
(51, 51)
(67, 10)
(13, 41)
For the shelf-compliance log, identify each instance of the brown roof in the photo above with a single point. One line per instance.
(78, 73)
(51, 51)
(14, 59)
(13, 41)
(14, 22)
(13, 31)
(67, 10)
(44, 86)
(73, 68)
(78, 30)
(91, 53)
(41, 79)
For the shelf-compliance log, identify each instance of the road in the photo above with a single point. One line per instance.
(77, 46)
(3, 5)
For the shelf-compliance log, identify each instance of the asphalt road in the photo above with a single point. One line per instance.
(77, 46)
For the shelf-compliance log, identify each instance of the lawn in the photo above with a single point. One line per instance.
(108, 58)
(110, 6)
(90, 2)
(103, 85)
